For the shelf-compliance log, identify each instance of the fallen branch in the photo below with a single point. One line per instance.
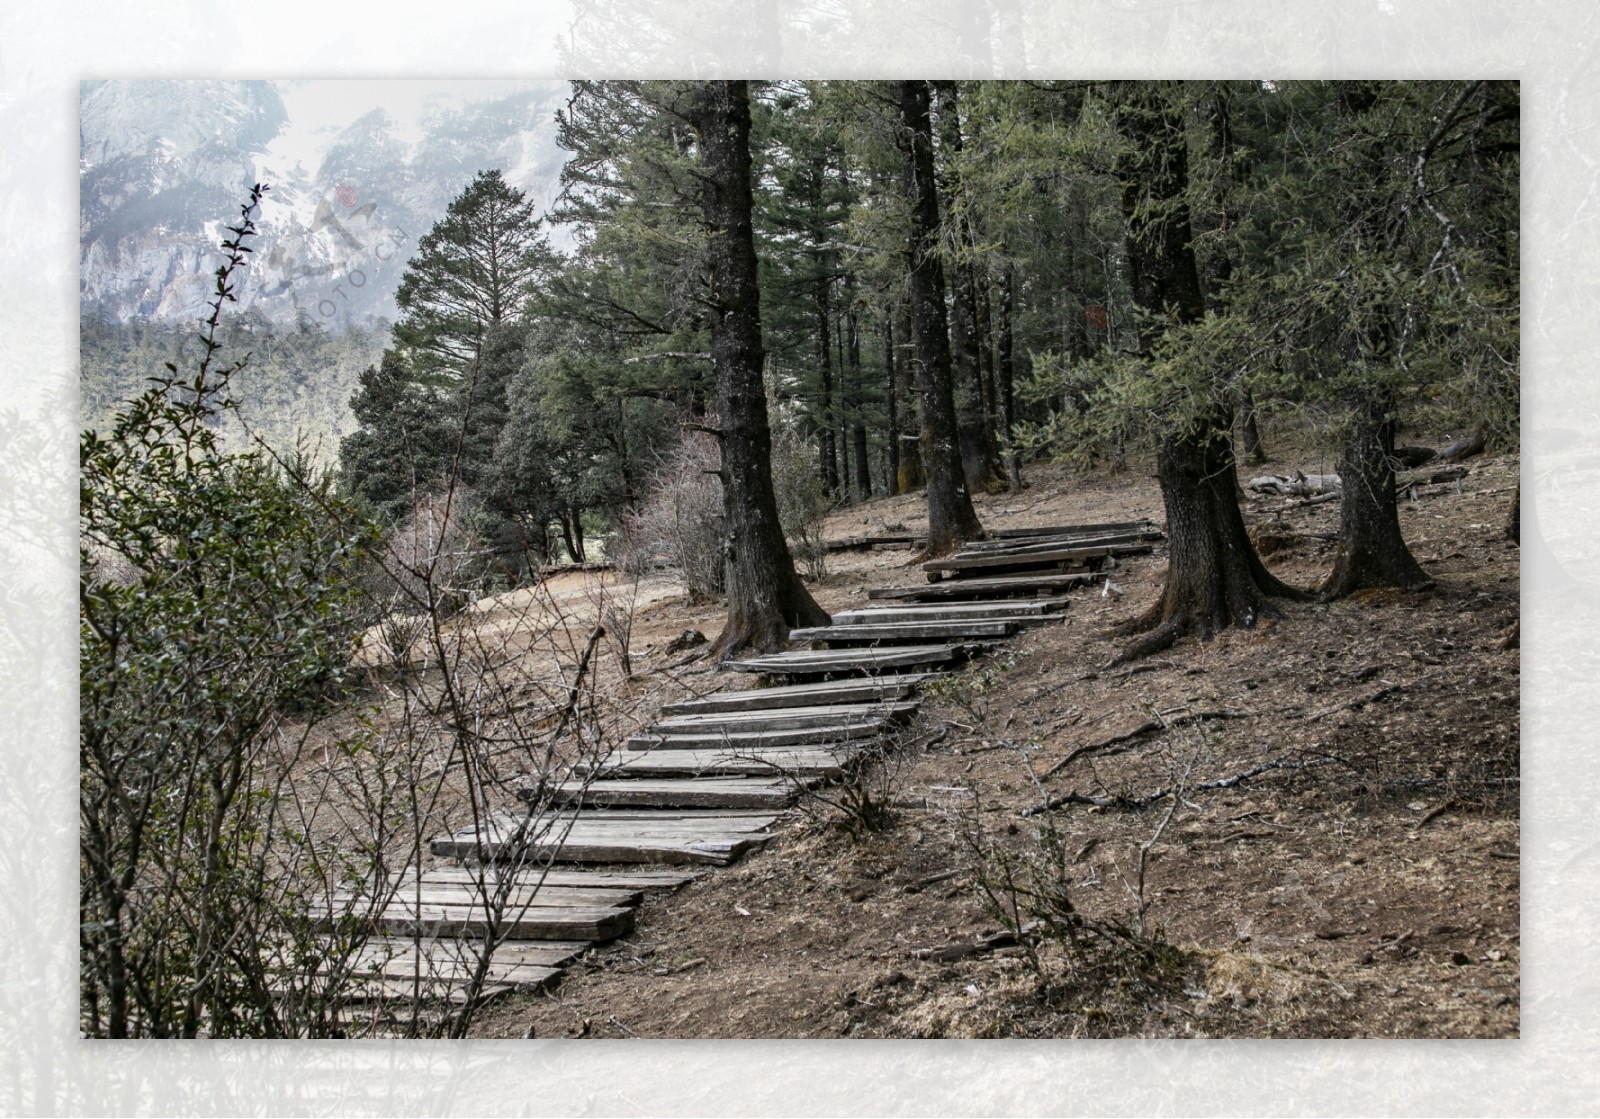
(961, 950)
(1138, 731)
(1162, 794)
(1381, 693)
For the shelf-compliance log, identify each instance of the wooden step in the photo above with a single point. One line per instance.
(1144, 528)
(797, 762)
(532, 922)
(1107, 545)
(827, 693)
(1048, 556)
(451, 957)
(437, 892)
(684, 792)
(621, 837)
(1062, 540)
(784, 718)
(848, 661)
(1022, 609)
(632, 878)
(960, 589)
(864, 632)
(406, 968)
(712, 738)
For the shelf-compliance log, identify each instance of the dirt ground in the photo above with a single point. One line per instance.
(1364, 884)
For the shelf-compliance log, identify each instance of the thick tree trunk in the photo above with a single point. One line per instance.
(979, 457)
(765, 595)
(1214, 577)
(1372, 553)
(951, 517)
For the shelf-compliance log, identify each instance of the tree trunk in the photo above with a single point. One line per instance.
(1253, 451)
(858, 422)
(826, 446)
(951, 517)
(1214, 577)
(891, 404)
(765, 595)
(1006, 374)
(979, 456)
(1372, 552)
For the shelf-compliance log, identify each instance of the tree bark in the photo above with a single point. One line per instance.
(858, 422)
(826, 444)
(979, 456)
(1253, 450)
(1372, 553)
(1214, 577)
(951, 517)
(891, 404)
(1006, 374)
(765, 595)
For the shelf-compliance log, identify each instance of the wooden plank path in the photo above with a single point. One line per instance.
(712, 777)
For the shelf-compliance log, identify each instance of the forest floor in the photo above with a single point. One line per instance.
(1366, 886)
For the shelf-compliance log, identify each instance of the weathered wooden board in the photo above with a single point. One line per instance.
(798, 762)
(1026, 609)
(686, 792)
(1147, 528)
(525, 923)
(522, 922)
(803, 695)
(922, 632)
(866, 661)
(1093, 545)
(1048, 556)
(465, 894)
(983, 588)
(405, 990)
(753, 740)
(450, 958)
(1061, 540)
(591, 877)
(784, 718)
(625, 837)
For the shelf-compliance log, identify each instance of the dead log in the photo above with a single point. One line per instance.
(1467, 446)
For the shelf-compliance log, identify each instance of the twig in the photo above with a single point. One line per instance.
(1160, 794)
(1142, 729)
(1381, 693)
(577, 682)
(1434, 814)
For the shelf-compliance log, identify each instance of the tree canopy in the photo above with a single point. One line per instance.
(955, 279)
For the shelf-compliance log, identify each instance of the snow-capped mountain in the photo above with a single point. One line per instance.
(357, 170)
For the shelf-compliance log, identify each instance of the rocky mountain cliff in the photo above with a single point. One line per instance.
(164, 166)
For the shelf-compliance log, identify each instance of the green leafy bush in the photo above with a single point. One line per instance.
(214, 599)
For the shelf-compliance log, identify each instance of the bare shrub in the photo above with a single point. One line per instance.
(681, 523)
(803, 502)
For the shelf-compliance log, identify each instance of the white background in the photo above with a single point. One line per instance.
(45, 49)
